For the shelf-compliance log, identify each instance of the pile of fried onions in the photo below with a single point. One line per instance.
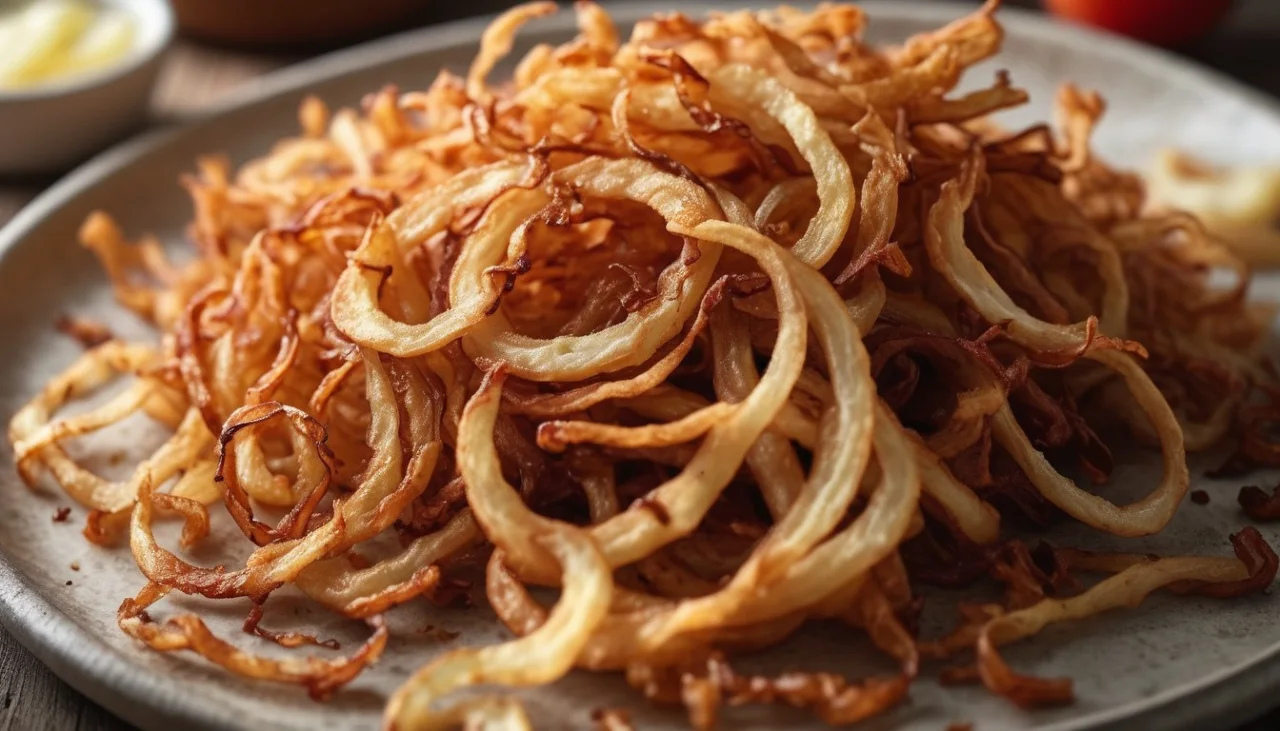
(730, 326)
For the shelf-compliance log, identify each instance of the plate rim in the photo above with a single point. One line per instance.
(149, 699)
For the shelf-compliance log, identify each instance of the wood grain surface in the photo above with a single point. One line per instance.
(32, 698)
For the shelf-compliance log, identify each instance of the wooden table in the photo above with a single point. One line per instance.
(33, 699)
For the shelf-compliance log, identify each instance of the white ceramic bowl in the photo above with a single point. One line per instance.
(51, 127)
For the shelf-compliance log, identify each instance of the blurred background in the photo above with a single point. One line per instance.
(218, 46)
(226, 43)
(223, 45)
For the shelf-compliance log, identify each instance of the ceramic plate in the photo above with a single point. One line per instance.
(1178, 663)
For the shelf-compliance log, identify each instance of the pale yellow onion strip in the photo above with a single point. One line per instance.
(89, 372)
(489, 713)
(423, 403)
(794, 58)
(686, 498)
(706, 613)
(197, 482)
(189, 442)
(665, 402)
(939, 69)
(290, 157)
(967, 422)
(950, 257)
(387, 486)
(538, 61)
(971, 514)
(837, 193)
(637, 338)
(1144, 517)
(613, 644)
(840, 459)
(636, 533)
(771, 459)
(1125, 589)
(798, 420)
(554, 436)
(230, 379)
(498, 507)
(602, 499)
(334, 583)
(842, 19)
(833, 480)
(456, 386)
(827, 569)
(431, 211)
(1198, 435)
(874, 535)
(686, 77)
(356, 517)
(794, 424)
(167, 407)
(584, 397)
(548, 652)
(629, 600)
(411, 294)
(102, 235)
(782, 193)
(595, 25)
(791, 422)
(591, 88)
(865, 306)
(878, 212)
(812, 83)
(358, 141)
(1113, 310)
(974, 37)
(736, 639)
(257, 479)
(117, 409)
(496, 42)
(597, 88)
(753, 595)
(382, 473)
(354, 305)
(975, 104)
(266, 385)
(277, 563)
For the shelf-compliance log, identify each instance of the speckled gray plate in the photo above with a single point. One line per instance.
(1178, 663)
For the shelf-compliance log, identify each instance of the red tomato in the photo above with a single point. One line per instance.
(1164, 22)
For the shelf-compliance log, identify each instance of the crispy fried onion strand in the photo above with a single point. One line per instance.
(543, 655)
(1253, 568)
